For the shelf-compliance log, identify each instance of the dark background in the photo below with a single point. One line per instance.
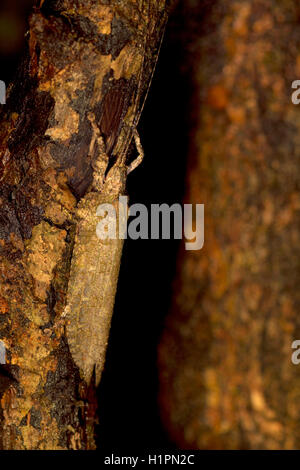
(129, 411)
(129, 415)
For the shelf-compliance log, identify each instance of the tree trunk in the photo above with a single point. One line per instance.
(81, 56)
(226, 375)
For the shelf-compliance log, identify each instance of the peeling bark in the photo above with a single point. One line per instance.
(82, 56)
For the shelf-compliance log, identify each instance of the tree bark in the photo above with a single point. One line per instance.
(81, 56)
(227, 380)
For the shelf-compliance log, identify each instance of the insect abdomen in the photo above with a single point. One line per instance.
(91, 291)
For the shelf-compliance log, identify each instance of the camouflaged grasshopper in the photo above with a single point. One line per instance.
(95, 263)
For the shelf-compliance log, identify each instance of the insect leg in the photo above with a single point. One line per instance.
(100, 163)
(133, 165)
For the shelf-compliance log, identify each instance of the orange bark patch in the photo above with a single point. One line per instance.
(217, 97)
(3, 306)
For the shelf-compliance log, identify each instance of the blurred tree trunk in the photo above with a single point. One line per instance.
(227, 380)
(81, 56)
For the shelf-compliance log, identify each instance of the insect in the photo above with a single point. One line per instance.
(95, 263)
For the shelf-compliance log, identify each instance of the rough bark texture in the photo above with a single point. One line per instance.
(82, 56)
(227, 380)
